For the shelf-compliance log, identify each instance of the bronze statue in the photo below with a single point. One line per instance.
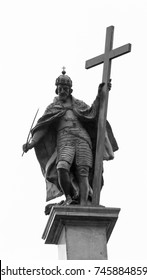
(64, 140)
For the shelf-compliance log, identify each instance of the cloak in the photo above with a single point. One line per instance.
(46, 131)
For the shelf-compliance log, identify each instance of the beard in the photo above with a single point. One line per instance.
(63, 96)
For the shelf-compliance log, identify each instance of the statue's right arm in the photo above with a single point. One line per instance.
(35, 139)
(38, 134)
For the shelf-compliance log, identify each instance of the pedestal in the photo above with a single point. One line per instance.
(81, 233)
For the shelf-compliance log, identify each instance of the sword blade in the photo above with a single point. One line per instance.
(31, 128)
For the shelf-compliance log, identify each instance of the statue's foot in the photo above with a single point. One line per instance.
(49, 206)
(83, 203)
(68, 201)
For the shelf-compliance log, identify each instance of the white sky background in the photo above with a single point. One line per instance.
(37, 38)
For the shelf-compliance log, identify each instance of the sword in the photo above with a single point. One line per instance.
(31, 128)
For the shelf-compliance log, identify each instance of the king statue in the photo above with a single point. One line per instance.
(64, 140)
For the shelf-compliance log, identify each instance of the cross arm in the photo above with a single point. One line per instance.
(94, 61)
(120, 51)
(113, 54)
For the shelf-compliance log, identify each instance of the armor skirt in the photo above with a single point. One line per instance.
(74, 145)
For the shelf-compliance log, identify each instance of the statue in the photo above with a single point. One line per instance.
(64, 140)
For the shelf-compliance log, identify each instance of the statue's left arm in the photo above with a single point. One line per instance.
(92, 112)
(99, 100)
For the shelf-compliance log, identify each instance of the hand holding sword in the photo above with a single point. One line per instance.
(27, 146)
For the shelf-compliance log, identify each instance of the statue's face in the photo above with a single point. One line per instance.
(63, 92)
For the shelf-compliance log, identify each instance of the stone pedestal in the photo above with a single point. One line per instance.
(81, 233)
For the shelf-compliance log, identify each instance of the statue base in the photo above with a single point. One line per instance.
(81, 233)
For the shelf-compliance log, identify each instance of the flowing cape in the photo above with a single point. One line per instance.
(46, 148)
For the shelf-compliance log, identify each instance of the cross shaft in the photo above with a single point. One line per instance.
(105, 58)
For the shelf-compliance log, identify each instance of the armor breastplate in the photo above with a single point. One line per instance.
(69, 120)
(69, 116)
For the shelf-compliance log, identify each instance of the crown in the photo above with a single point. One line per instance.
(63, 79)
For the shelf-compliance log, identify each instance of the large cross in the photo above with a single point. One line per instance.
(105, 58)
